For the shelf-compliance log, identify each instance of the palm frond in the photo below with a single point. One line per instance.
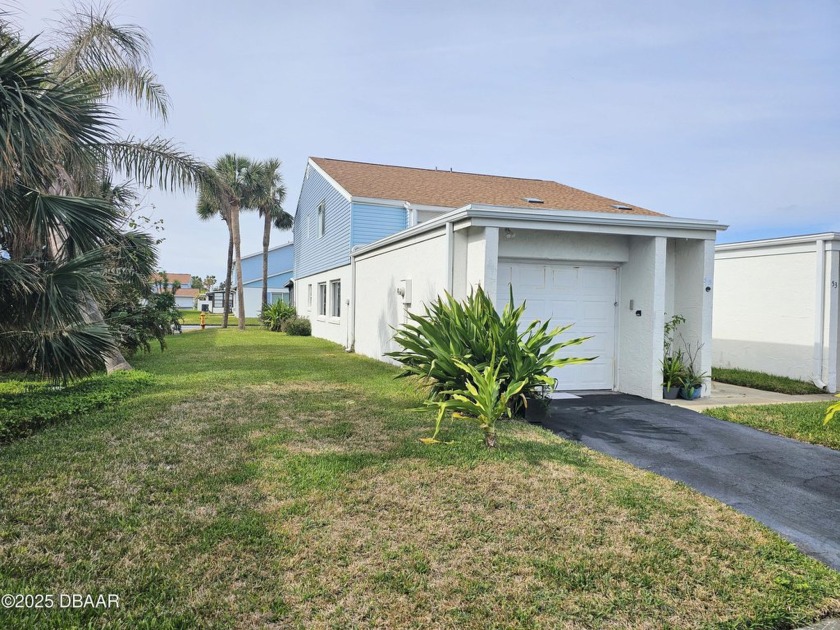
(40, 118)
(138, 84)
(86, 39)
(158, 162)
(82, 223)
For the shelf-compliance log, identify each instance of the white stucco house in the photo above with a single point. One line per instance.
(374, 241)
(777, 307)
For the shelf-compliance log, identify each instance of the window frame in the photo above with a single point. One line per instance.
(322, 300)
(335, 304)
(322, 218)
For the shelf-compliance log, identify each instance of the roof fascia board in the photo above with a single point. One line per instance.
(597, 218)
(331, 181)
(784, 240)
(587, 227)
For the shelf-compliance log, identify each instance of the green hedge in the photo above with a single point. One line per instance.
(28, 405)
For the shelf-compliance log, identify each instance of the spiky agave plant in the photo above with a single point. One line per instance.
(474, 332)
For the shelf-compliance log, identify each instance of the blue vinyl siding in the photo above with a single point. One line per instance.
(370, 223)
(274, 282)
(313, 253)
(280, 264)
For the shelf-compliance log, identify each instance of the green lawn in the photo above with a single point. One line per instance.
(192, 317)
(763, 381)
(274, 481)
(801, 421)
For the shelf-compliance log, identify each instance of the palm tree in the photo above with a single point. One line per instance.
(208, 206)
(52, 247)
(235, 188)
(53, 228)
(271, 193)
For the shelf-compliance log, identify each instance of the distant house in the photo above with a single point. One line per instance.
(777, 307)
(185, 296)
(281, 260)
(374, 241)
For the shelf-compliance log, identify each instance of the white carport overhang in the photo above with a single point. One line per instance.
(653, 277)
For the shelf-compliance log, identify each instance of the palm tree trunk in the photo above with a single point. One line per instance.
(92, 314)
(237, 251)
(228, 277)
(266, 240)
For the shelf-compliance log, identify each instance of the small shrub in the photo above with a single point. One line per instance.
(136, 325)
(28, 405)
(274, 316)
(483, 399)
(298, 327)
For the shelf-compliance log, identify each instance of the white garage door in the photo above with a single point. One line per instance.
(570, 294)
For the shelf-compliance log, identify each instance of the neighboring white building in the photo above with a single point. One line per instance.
(776, 307)
(374, 241)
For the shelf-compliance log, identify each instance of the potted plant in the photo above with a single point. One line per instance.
(691, 385)
(691, 381)
(673, 370)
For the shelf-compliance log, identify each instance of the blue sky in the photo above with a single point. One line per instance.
(706, 109)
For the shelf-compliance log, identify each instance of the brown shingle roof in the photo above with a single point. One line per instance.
(186, 293)
(454, 189)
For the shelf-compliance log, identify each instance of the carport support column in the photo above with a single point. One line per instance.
(707, 312)
(660, 270)
(833, 317)
(491, 262)
(641, 334)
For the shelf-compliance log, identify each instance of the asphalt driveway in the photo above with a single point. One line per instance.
(792, 487)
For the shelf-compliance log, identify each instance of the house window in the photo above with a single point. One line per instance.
(322, 298)
(335, 298)
(309, 297)
(322, 224)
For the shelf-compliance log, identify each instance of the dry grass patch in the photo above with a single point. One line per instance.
(498, 544)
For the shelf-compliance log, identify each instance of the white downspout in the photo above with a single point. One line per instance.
(351, 324)
(410, 215)
(450, 256)
(819, 319)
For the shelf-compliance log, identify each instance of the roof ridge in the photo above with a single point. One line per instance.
(437, 170)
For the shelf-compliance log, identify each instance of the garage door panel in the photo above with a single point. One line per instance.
(528, 279)
(570, 294)
(565, 311)
(565, 279)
